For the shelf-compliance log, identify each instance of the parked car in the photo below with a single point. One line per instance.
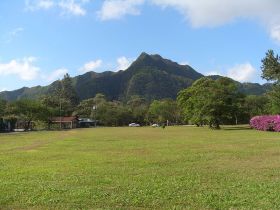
(155, 125)
(134, 125)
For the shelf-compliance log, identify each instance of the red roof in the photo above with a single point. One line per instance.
(64, 119)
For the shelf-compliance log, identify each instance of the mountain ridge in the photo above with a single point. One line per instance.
(150, 76)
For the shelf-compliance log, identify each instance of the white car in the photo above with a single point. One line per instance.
(134, 125)
(155, 125)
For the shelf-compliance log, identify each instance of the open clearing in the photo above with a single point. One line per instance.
(140, 168)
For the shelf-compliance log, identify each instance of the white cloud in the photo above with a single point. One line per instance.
(242, 72)
(3, 89)
(33, 5)
(218, 12)
(16, 31)
(13, 34)
(56, 74)
(23, 68)
(184, 63)
(212, 73)
(71, 7)
(123, 63)
(67, 7)
(204, 13)
(116, 9)
(91, 66)
(275, 33)
(45, 4)
(200, 13)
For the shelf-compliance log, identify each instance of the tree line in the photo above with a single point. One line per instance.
(65, 102)
(207, 102)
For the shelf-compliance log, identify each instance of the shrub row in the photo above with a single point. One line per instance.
(266, 123)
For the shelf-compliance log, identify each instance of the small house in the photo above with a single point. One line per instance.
(65, 122)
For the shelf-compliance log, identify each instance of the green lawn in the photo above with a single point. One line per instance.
(140, 168)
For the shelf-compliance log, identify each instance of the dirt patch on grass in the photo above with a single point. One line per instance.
(34, 146)
(44, 141)
(139, 152)
(129, 152)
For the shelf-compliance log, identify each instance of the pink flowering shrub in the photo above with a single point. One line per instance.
(266, 123)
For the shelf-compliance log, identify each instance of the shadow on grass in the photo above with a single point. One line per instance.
(236, 128)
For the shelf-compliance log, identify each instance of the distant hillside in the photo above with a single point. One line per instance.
(249, 88)
(150, 76)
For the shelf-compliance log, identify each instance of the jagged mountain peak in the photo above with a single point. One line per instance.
(145, 55)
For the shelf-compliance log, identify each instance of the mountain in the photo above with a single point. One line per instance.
(150, 76)
(249, 88)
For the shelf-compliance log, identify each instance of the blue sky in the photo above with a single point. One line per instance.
(41, 40)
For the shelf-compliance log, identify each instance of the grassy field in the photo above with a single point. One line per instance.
(140, 168)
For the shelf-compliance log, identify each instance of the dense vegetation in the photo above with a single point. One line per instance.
(150, 77)
(206, 102)
(212, 102)
(64, 102)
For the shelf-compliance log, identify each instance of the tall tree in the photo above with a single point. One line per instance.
(271, 72)
(99, 99)
(139, 107)
(68, 91)
(85, 108)
(26, 110)
(110, 113)
(271, 66)
(161, 111)
(113, 113)
(88, 106)
(211, 102)
(191, 100)
(3, 104)
(256, 105)
(64, 98)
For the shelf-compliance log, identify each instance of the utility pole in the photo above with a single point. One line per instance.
(60, 107)
(95, 110)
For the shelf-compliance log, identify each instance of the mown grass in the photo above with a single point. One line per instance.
(140, 168)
